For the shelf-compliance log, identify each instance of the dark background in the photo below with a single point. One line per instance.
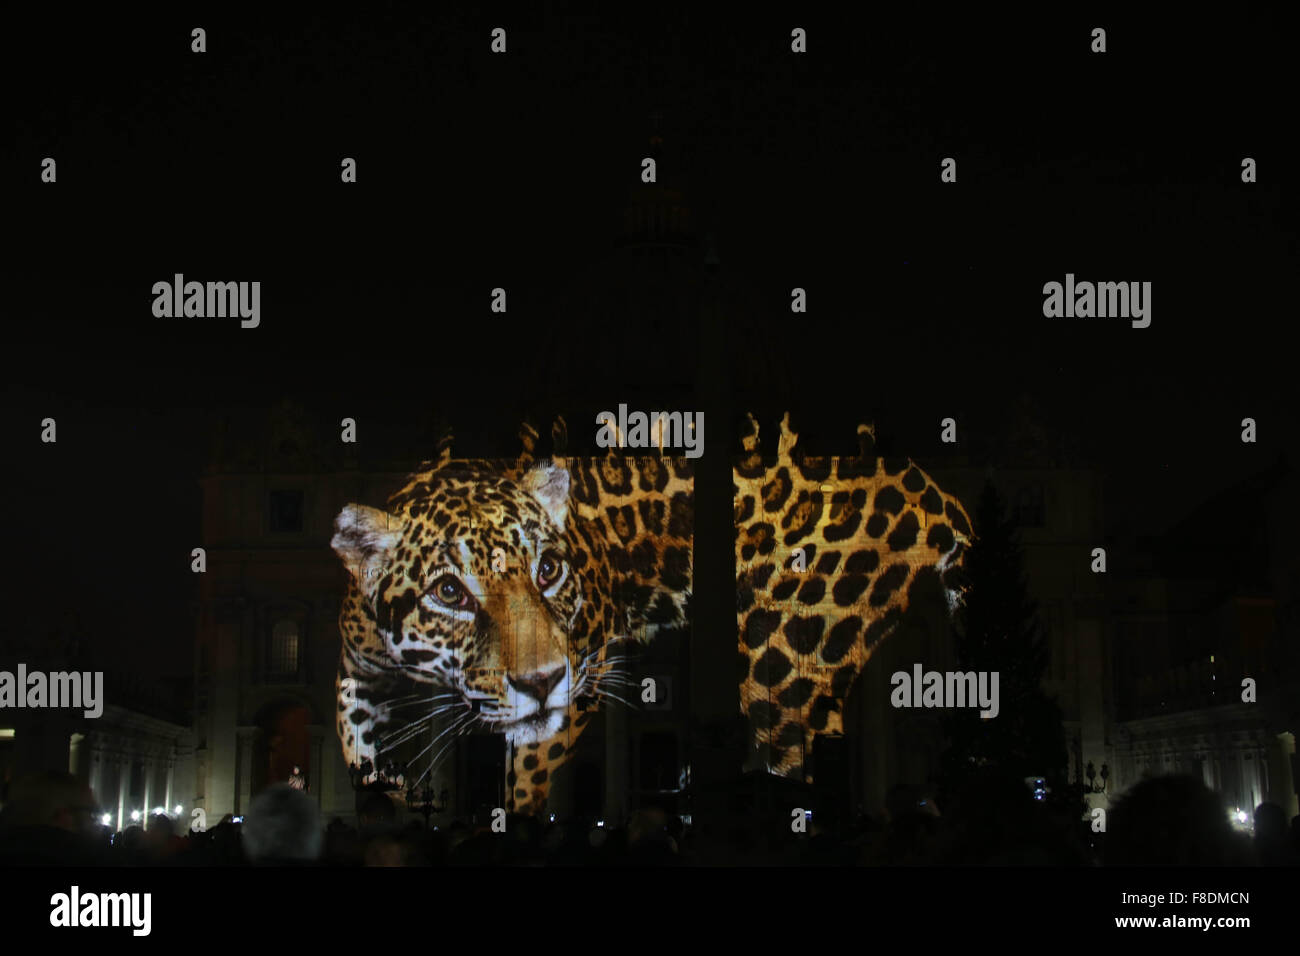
(478, 171)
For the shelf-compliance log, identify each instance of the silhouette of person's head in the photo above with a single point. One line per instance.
(1270, 823)
(132, 839)
(1270, 833)
(1170, 821)
(282, 826)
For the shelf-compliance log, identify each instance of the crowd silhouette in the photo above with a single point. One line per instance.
(51, 818)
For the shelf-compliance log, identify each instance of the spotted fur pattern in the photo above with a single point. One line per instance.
(869, 530)
(488, 595)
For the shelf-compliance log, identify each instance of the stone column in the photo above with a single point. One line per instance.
(246, 737)
(1242, 794)
(713, 692)
(1090, 658)
(334, 780)
(316, 756)
(171, 778)
(875, 736)
(95, 747)
(616, 764)
(123, 781)
(221, 792)
(1281, 780)
(149, 790)
(560, 798)
(78, 750)
(1258, 758)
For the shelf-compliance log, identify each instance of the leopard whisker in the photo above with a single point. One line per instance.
(607, 667)
(578, 689)
(465, 722)
(385, 715)
(401, 702)
(408, 732)
(415, 728)
(604, 694)
(446, 730)
(597, 650)
(420, 696)
(616, 677)
(619, 684)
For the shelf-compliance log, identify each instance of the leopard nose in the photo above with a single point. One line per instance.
(539, 684)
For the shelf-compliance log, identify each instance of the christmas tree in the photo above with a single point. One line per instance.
(998, 630)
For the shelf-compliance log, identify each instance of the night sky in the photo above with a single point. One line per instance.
(925, 299)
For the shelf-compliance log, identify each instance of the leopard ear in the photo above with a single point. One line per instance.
(549, 484)
(365, 539)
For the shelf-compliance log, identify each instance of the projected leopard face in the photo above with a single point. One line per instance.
(487, 594)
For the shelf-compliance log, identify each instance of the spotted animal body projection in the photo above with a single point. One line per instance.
(828, 553)
(440, 641)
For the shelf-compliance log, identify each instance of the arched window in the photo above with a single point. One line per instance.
(285, 650)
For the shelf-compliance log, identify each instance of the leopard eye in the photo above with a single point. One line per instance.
(548, 569)
(450, 592)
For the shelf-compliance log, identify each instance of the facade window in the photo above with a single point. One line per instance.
(285, 511)
(659, 770)
(284, 651)
(1031, 511)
